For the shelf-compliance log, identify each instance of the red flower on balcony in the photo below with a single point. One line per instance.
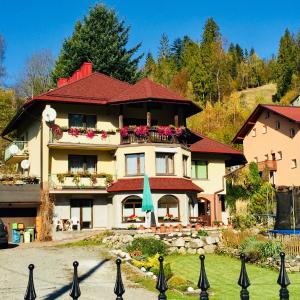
(161, 130)
(124, 132)
(103, 134)
(90, 134)
(168, 131)
(74, 131)
(141, 131)
(179, 131)
(133, 218)
(56, 131)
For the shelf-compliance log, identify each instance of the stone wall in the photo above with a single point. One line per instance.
(181, 242)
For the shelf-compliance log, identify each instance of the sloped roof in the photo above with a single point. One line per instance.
(156, 183)
(147, 89)
(290, 112)
(208, 145)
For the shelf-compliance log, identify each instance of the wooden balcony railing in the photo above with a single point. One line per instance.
(271, 165)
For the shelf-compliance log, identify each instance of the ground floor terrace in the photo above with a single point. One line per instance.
(124, 210)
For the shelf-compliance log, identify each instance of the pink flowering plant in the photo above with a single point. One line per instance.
(74, 131)
(90, 134)
(103, 135)
(124, 131)
(141, 131)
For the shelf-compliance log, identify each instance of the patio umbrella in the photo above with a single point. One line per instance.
(147, 203)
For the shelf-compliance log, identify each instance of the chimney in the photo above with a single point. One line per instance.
(85, 70)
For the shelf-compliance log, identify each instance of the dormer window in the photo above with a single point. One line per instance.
(277, 125)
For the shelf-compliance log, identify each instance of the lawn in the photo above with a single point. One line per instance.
(223, 273)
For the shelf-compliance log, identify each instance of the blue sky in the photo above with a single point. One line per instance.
(33, 25)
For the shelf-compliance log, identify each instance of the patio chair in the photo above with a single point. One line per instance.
(75, 224)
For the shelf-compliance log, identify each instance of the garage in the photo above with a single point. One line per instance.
(19, 204)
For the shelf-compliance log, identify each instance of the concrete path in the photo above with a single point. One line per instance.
(53, 274)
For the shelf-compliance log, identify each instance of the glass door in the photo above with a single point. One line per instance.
(81, 209)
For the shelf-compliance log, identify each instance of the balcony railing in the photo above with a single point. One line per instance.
(271, 165)
(16, 148)
(164, 134)
(79, 181)
(61, 135)
(18, 179)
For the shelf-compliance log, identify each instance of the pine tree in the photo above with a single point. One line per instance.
(102, 40)
(164, 48)
(285, 63)
(149, 67)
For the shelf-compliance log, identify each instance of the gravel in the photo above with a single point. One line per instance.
(54, 271)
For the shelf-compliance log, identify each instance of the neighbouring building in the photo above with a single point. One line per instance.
(271, 138)
(90, 141)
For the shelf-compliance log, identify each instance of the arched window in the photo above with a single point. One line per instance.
(168, 209)
(132, 210)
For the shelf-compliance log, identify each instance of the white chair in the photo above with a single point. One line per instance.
(75, 223)
(58, 225)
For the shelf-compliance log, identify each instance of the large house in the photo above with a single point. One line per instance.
(90, 141)
(271, 137)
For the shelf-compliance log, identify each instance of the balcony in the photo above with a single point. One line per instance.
(16, 152)
(18, 179)
(271, 165)
(158, 134)
(68, 138)
(68, 181)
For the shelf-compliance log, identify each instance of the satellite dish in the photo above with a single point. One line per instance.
(13, 149)
(49, 114)
(25, 164)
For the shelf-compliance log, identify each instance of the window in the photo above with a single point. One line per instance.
(199, 169)
(256, 159)
(185, 165)
(264, 129)
(277, 125)
(135, 164)
(266, 156)
(267, 115)
(292, 132)
(294, 163)
(253, 132)
(82, 163)
(168, 209)
(273, 156)
(132, 210)
(279, 155)
(165, 163)
(82, 121)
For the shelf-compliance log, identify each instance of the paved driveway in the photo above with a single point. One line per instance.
(53, 274)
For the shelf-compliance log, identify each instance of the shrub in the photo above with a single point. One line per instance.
(178, 283)
(167, 270)
(243, 222)
(148, 263)
(202, 232)
(256, 250)
(148, 246)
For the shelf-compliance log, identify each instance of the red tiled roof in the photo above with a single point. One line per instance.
(207, 145)
(290, 112)
(156, 183)
(147, 89)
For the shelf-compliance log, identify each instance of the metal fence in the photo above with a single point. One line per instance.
(162, 286)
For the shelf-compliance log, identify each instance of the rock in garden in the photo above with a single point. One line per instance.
(154, 277)
(173, 249)
(182, 250)
(190, 289)
(196, 243)
(179, 242)
(191, 251)
(150, 274)
(209, 248)
(209, 240)
(200, 251)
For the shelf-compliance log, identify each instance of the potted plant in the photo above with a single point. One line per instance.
(198, 226)
(153, 228)
(179, 226)
(141, 228)
(133, 218)
(216, 223)
(188, 226)
(162, 228)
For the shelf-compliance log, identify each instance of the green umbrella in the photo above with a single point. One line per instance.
(147, 203)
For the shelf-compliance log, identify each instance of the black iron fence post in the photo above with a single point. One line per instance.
(244, 281)
(30, 291)
(161, 284)
(75, 290)
(283, 279)
(119, 287)
(203, 283)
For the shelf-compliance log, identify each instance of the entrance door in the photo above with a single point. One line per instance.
(82, 210)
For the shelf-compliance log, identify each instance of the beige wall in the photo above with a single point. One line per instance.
(150, 163)
(274, 141)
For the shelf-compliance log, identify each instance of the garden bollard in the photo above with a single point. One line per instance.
(283, 279)
(244, 281)
(161, 284)
(30, 292)
(119, 287)
(75, 290)
(203, 283)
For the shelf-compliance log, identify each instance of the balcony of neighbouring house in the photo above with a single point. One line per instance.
(155, 134)
(79, 181)
(18, 180)
(16, 152)
(82, 138)
(271, 165)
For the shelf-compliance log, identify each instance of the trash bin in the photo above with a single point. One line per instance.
(31, 230)
(14, 226)
(27, 237)
(15, 236)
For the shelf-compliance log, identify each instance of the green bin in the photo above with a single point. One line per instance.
(31, 231)
(14, 226)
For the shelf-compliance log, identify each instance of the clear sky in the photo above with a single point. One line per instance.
(33, 25)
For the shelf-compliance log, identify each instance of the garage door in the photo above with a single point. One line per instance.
(27, 216)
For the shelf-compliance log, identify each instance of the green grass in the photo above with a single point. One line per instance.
(223, 273)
